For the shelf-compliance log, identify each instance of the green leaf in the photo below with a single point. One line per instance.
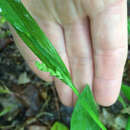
(85, 115)
(59, 126)
(2, 20)
(4, 90)
(128, 124)
(128, 25)
(6, 110)
(35, 39)
(126, 91)
(121, 100)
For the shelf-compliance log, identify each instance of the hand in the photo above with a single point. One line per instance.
(91, 38)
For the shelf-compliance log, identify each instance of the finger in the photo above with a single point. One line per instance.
(109, 34)
(55, 33)
(30, 57)
(78, 46)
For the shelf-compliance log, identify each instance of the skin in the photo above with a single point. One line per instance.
(91, 38)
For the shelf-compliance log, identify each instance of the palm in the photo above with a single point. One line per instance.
(90, 37)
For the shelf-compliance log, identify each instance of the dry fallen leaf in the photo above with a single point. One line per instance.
(23, 78)
(34, 127)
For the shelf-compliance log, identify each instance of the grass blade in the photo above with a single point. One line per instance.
(126, 91)
(35, 39)
(128, 124)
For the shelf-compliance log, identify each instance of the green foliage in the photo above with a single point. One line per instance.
(44, 68)
(35, 39)
(85, 113)
(4, 91)
(6, 110)
(128, 25)
(121, 100)
(128, 124)
(2, 20)
(126, 91)
(59, 126)
(3, 34)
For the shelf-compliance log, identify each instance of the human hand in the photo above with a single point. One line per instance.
(91, 38)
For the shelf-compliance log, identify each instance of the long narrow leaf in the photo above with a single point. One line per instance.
(128, 124)
(121, 100)
(126, 91)
(32, 35)
(128, 25)
(35, 39)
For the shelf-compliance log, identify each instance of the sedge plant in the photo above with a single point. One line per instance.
(85, 115)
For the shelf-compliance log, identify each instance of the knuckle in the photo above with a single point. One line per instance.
(81, 60)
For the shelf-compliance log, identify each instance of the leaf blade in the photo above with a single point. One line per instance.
(35, 39)
(85, 115)
(59, 126)
(128, 124)
(126, 91)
